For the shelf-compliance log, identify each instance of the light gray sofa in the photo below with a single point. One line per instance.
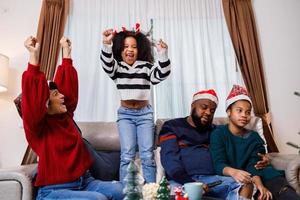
(15, 183)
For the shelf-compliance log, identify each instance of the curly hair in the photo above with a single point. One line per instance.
(143, 45)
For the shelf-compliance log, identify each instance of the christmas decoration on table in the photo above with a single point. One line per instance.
(179, 194)
(150, 191)
(163, 192)
(185, 197)
(132, 189)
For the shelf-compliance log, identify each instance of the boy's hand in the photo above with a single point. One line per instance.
(33, 47)
(263, 162)
(108, 36)
(66, 46)
(161, 46)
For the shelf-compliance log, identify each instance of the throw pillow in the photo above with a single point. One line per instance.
(106, 164)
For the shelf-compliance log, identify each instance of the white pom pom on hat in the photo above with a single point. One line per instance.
(206, 94)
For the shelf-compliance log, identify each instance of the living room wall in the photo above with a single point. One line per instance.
(18, 19)
(278, 28)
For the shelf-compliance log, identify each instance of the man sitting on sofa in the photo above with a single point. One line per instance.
(47, 113)
(185, 152)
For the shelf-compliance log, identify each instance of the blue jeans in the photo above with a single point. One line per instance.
(136, 127)
(228, 189)
(84, 188)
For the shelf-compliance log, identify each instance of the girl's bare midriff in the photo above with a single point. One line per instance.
(134, 104)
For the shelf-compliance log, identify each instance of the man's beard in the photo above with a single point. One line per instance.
(197, 121)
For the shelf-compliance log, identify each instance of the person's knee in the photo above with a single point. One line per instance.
(97, 196)
(229, 183)
(111, 190)
(246, 191)
(115, 192)
(127, 157)
(118, 191)
(148, 160)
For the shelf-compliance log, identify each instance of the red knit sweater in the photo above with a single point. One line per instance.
(62, 154)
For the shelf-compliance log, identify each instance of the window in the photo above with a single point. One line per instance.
(200, 51)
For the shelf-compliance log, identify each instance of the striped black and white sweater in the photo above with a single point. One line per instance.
(134, 82)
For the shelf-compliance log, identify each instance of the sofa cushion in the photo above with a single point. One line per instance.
(102, 135)
(106, 163)
(109, 164)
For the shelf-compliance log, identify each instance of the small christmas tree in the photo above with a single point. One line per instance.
(163, 192)
(132, 188)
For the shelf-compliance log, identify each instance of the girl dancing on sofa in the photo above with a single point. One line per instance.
(127, 58)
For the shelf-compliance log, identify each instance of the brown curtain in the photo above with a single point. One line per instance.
(51, 25)
(242, 28)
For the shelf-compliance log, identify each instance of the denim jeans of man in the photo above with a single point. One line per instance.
(228, 189)
(136, 127)
(84, 188)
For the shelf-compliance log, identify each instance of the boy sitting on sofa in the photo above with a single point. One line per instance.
(47, 113)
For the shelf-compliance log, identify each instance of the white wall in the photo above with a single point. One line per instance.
(278, 24)
(18, 19)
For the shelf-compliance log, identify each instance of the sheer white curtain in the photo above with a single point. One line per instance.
(200, 51)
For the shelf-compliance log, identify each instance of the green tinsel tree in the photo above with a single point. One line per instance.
(132, 188)
(163, 192)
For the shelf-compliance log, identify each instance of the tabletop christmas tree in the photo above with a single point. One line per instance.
(132, 188)
(163, 192)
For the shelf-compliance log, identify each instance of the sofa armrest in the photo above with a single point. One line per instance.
(290, 163)
(15, 183)
(292, 174)
(280, 161)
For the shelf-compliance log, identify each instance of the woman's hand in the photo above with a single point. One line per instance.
(66, 46)
(108, 36)
(33, 47)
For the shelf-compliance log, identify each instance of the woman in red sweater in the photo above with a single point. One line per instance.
(47, 113)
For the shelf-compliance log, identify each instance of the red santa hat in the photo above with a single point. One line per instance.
(206, 94)
(237, 93)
